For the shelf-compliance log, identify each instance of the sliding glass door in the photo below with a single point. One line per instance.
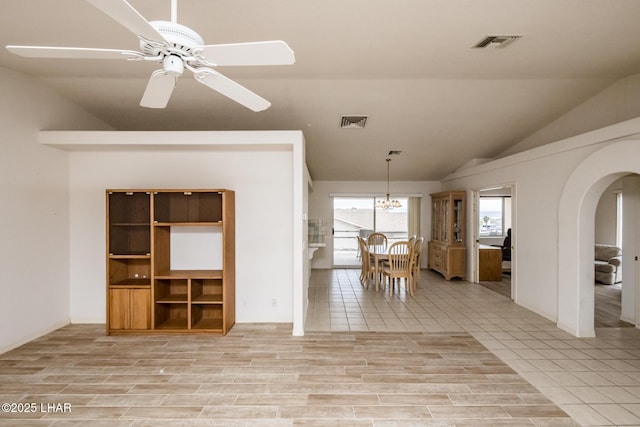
(357, 216)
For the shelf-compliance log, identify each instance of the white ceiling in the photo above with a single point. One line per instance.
(407, 64)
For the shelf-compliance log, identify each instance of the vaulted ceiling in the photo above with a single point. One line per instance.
(409, 65)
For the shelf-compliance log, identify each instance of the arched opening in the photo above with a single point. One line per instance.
(609, 221)
(576, 238)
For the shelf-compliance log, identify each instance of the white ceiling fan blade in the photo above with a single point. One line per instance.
(71, 52)
(231, 89)
(158, 90)
(258, 53)
(128, 17)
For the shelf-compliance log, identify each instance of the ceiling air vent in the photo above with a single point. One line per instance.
(394, 153)
(353, 122)
(496, 41)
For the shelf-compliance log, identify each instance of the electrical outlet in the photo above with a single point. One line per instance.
(274, 302)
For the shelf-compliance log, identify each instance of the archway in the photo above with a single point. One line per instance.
(576, 235)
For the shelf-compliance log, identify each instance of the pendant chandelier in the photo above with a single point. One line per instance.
(387, 203)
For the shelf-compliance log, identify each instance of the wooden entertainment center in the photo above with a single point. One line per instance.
(170, 261)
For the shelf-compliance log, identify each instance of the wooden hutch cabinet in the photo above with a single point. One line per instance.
(170, 261)
(447, 253)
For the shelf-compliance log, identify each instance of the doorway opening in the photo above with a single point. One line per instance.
(576, 235)
(609, 236)
(493, 238)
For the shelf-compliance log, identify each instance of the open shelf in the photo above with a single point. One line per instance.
(214, 325)
(188, 224)
(207, 299)
(189, 274)
(171, 291)
(171, 316)
(133, 283)
(206, 317)
(130, 270)
(206, 291)
(130, 256)
(173, 299)
(172, 324)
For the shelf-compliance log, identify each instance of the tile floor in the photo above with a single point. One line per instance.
(595, 380)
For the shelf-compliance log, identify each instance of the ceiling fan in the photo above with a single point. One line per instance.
(176, 47)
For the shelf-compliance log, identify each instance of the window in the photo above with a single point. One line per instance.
(619, 219)
(495, 215)
(357, 216)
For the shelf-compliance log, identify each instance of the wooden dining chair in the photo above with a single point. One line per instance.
(415, 264)
(378, 240)
(361, 242)
(368, 269)
(363, 233)
(399, 266)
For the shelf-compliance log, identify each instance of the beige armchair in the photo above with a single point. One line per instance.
(608, 264)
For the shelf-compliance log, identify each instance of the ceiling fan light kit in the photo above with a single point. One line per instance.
(176, 47)
(173, 65)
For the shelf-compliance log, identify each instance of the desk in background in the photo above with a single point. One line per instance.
(490, 260)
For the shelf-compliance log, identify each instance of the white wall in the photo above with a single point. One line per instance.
(307, 185)
(556, 207)
(321, 206)
(630, 249)
(262, 181)
(34, 219)
(538, 182)
(545, 275)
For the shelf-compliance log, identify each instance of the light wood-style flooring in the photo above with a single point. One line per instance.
(454, 354)
(261, 375)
